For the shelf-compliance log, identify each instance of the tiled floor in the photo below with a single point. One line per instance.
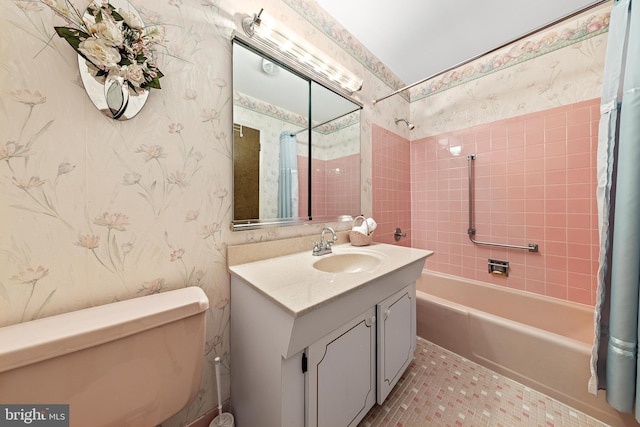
(441, 388)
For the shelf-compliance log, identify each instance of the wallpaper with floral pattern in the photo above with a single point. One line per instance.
(95, 210)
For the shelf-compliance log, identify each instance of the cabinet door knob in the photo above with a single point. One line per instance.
(387, 312)
(373, 319)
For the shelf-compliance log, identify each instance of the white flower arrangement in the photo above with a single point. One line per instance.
(114, 43)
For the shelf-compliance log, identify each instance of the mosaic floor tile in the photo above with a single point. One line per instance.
(441, 388)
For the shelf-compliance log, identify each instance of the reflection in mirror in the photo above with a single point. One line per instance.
(335, 155)
(272, 107)
(246, 172)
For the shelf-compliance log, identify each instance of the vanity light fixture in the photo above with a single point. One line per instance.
(284, 41)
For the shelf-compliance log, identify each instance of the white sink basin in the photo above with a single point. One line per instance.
(352, 262)
(300, 283)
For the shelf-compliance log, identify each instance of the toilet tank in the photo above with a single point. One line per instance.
(130, 363)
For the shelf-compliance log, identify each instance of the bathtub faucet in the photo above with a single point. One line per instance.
(322, 247)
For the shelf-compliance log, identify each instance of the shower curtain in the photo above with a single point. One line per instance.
(614, 359)
(288, 176)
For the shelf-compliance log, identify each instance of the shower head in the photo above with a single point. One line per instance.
(411, 126)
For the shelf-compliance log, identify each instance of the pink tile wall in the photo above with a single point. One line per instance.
(336, 186)
(318, 188)
(303, 185)
(343, 185)
(534, 183)
(391, 186)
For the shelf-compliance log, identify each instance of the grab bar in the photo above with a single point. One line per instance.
(531, 247)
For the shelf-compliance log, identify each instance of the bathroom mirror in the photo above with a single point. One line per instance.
(296, 145)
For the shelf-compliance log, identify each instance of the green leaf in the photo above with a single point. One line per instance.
(116, 15)
(71, 35)
(155, 84)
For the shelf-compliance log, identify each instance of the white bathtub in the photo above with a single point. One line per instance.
(541, 342)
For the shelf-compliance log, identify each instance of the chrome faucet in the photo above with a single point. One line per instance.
(324, 247)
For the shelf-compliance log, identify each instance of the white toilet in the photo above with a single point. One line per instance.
(130, 363)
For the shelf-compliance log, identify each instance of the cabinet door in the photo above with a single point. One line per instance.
(341, 374)
(396, 338)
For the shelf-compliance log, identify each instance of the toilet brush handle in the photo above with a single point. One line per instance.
(217, 361)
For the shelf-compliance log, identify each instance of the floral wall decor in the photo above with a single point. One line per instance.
(117, 53)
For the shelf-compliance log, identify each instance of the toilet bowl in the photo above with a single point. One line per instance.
(130, 363)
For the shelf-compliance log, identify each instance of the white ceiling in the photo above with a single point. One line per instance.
(418, 38)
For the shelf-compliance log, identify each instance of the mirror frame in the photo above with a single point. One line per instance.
(271, 54)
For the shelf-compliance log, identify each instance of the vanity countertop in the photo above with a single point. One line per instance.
(292, 282)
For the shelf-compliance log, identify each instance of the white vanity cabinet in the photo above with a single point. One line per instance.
(358, 365)
(396, 338)
(290, 372)
(341, 375)
(318, 349)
